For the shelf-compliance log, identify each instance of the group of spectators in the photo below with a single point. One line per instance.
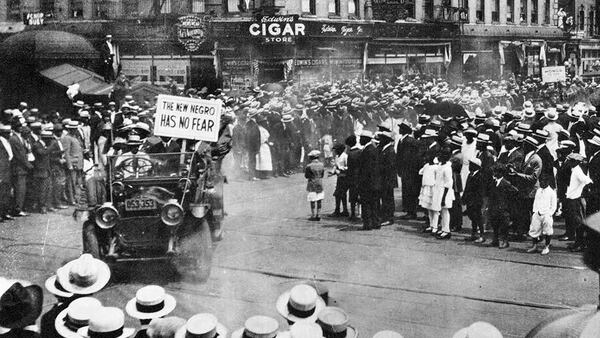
(76, 311)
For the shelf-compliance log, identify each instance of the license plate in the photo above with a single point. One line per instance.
(138, 204)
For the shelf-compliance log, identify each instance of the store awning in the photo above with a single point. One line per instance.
(89, 82)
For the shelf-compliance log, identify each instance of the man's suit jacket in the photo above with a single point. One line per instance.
(515, 158)
(369, 177)
(252, 137)
(407, 159)
(387, 167)
(41, 165)
(5, 166)
(501, 196)
(547, 165)
(73, 151)
(21, 165)
(527, 179)
(353, 172)
(471, 197)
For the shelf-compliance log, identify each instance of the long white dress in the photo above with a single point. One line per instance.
(263, 158)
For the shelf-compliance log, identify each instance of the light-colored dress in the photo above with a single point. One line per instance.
(427, 182)
(263, 158)
(443, 180)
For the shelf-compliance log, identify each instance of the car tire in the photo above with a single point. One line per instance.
(196, 252)
(90, 239)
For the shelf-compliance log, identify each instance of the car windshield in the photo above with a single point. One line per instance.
(144, 165)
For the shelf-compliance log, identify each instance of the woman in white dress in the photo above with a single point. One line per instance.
(443, 194)
(264, 163)
(426, 195)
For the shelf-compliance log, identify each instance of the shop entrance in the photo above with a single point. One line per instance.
(271, 73)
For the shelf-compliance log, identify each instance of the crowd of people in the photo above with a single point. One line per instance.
(77, 313)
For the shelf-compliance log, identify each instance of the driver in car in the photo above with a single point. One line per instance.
(133, 162)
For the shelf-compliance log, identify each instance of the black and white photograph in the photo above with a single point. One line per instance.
(299, 168)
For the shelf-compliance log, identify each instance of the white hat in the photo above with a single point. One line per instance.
(202, 325)
(258, 327)
(84, 275)
(366, 133)
(301, 303)
(76, 316)
(105, 322)
(478, 329)
(335, 321)
(54, 287)
(150, 302)
(387, 334)
(305, 330)
(595, 140)
(551, 114)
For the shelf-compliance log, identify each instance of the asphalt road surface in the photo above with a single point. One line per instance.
(394, 278)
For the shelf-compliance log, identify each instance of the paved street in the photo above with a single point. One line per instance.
(395, 278)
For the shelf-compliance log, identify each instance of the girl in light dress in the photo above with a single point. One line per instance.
(443, 195)
(427, 184)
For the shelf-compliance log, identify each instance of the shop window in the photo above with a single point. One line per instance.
(47, 6)
(334, 7)
(198, 6)
(479, 10)
(166, 7)
(510, 5)
(309, 7)
(76, 8)
(353, 8)
(533, 62)
(130, 8)
(14, 10)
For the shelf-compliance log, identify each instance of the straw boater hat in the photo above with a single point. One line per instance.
(20, 303)
(387, 334)
(134, 140)
(551, 114)
(366, 133)
(303, 330)
(54, 287)
(258, 327)
(150, 302)
(106, 322)
(475, 161)
(72, 124)
(301, 303)
(202, 325)
(76, 316)
(335, 323)
(84, 275)
(595, 140)
(478, 329)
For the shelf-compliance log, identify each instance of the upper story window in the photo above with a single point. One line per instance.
(76, 9)
(14, 10)
(198, 6)
(334, 7)
(309, 7)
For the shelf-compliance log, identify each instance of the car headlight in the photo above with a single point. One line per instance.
(172, 213)
(184, 185)
(107, 216)
(118, 188)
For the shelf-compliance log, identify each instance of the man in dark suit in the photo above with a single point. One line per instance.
(526, 180)
(408, 164)
(353, 173)
(513, 158)
(389, 181)
(107, 52)
(501, 193)
(252, 142)
(41, 170)
(20, 168)
(472, 200)
(6, 156)
(369, 182)
(547, 158)
(74, 161)
(593, 196)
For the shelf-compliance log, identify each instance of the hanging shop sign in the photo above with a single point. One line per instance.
(191, 32)
(34, 19)
(277, 28)
(339, 30)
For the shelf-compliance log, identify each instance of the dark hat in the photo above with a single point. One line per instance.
(20, 305)
(404, 128)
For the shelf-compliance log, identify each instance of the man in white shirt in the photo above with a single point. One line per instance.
(544, 206)
(574, 205)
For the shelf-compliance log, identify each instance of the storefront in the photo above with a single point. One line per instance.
(589, 53)
(398, 49)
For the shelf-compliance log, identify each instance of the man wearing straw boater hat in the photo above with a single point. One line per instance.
(257, 327)
(106, 322)
(202, 325)
(75, 316)
(301, 303)
(150, 302)
(63, 299)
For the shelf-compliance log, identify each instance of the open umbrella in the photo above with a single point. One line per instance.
(445, 110)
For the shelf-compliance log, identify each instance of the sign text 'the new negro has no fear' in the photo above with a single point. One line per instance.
(187, 118)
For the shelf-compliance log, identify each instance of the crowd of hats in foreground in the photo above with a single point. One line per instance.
(78, 314)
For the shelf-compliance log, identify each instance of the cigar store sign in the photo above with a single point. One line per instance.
(191, 32)
(277, 28)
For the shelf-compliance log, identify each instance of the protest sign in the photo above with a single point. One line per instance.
(187, 118)
(554, 74)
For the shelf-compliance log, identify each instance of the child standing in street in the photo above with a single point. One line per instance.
(426, 195)
(314, 173)
(544, 206)
(341, 187)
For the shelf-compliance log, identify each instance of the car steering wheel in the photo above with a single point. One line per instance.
(143, 166)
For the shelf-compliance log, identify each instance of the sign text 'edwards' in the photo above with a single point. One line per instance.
(191, 32)
(277, 28)
(187, 118)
